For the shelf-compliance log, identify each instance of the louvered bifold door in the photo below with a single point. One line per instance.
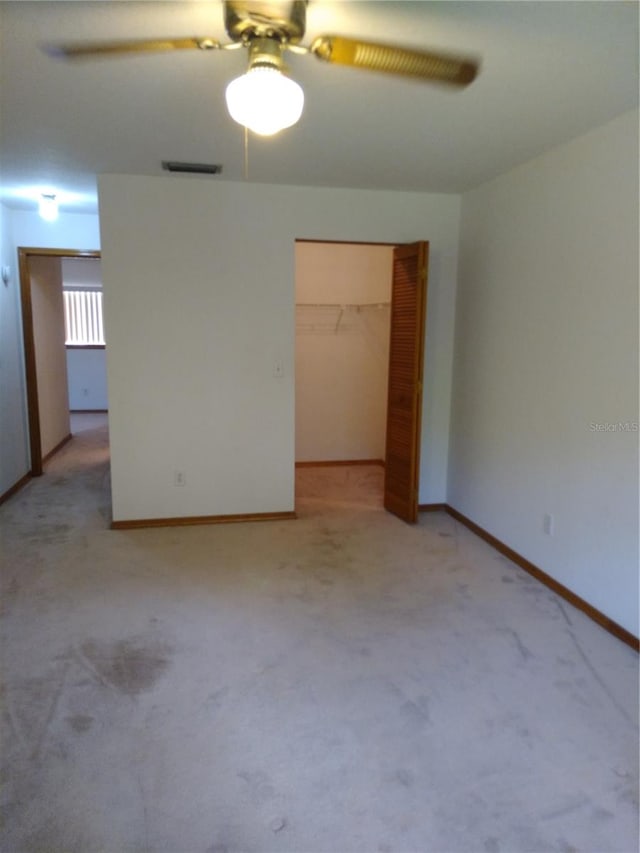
(406, 357)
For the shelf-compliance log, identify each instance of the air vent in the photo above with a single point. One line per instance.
(191, 168)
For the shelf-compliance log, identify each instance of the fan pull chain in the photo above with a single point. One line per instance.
(246, 153)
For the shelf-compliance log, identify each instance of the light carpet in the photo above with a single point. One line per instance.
(342, 682)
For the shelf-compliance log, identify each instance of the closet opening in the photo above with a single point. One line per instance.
(359, 319)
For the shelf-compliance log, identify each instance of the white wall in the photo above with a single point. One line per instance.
(23, 228)
(199, 302)
(14, 440)
(82, 272)
(546, 347)
(69, 231)
(342, 350)
(342, 272)
(87, 375)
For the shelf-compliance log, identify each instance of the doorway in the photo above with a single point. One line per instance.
(360, 311)
(43, 321)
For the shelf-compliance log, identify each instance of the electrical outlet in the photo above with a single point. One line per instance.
(278, 370)
(548, 524)
(179, 478)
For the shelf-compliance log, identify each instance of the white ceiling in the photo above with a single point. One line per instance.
(84, 272)
(550, 71)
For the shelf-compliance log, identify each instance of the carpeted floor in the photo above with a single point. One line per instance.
(343, 682)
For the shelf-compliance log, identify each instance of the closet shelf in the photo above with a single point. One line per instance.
(343, 305)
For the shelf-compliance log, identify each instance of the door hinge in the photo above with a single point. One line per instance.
(423, 273)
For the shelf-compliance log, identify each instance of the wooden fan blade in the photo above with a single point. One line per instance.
(115, 48)
(424, 65)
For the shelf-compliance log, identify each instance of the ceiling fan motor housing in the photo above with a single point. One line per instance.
(266, 53)
(248, 19)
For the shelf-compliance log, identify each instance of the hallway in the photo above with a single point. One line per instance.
(338, 683)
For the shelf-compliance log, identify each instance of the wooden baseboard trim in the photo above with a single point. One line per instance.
(15, 488)
(88, 411)
(432, 507)
(187, 521)
(554, 585)
(58, 447)
(330, 463)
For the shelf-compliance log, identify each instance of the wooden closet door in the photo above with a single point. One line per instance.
(406, 358)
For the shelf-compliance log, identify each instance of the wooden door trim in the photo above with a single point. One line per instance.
(347, 242)
(31, 380)
(420, 351)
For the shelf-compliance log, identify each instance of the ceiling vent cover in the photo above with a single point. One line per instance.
(191, 168)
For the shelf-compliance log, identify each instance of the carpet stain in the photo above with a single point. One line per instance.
(277, 824)
(80, 723)
(524, 652)
(599, 813)
(259, 784)
(215, 700)
(404, 778)
(131, 666)
(572, 804)
(417, 712)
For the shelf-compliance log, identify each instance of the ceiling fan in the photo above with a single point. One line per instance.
(266, 99)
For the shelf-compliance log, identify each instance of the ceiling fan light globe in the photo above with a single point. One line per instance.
(264, 100)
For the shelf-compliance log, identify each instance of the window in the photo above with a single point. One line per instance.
(83, 317)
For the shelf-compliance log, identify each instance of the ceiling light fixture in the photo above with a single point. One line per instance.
(264, 99)
(48, 208)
